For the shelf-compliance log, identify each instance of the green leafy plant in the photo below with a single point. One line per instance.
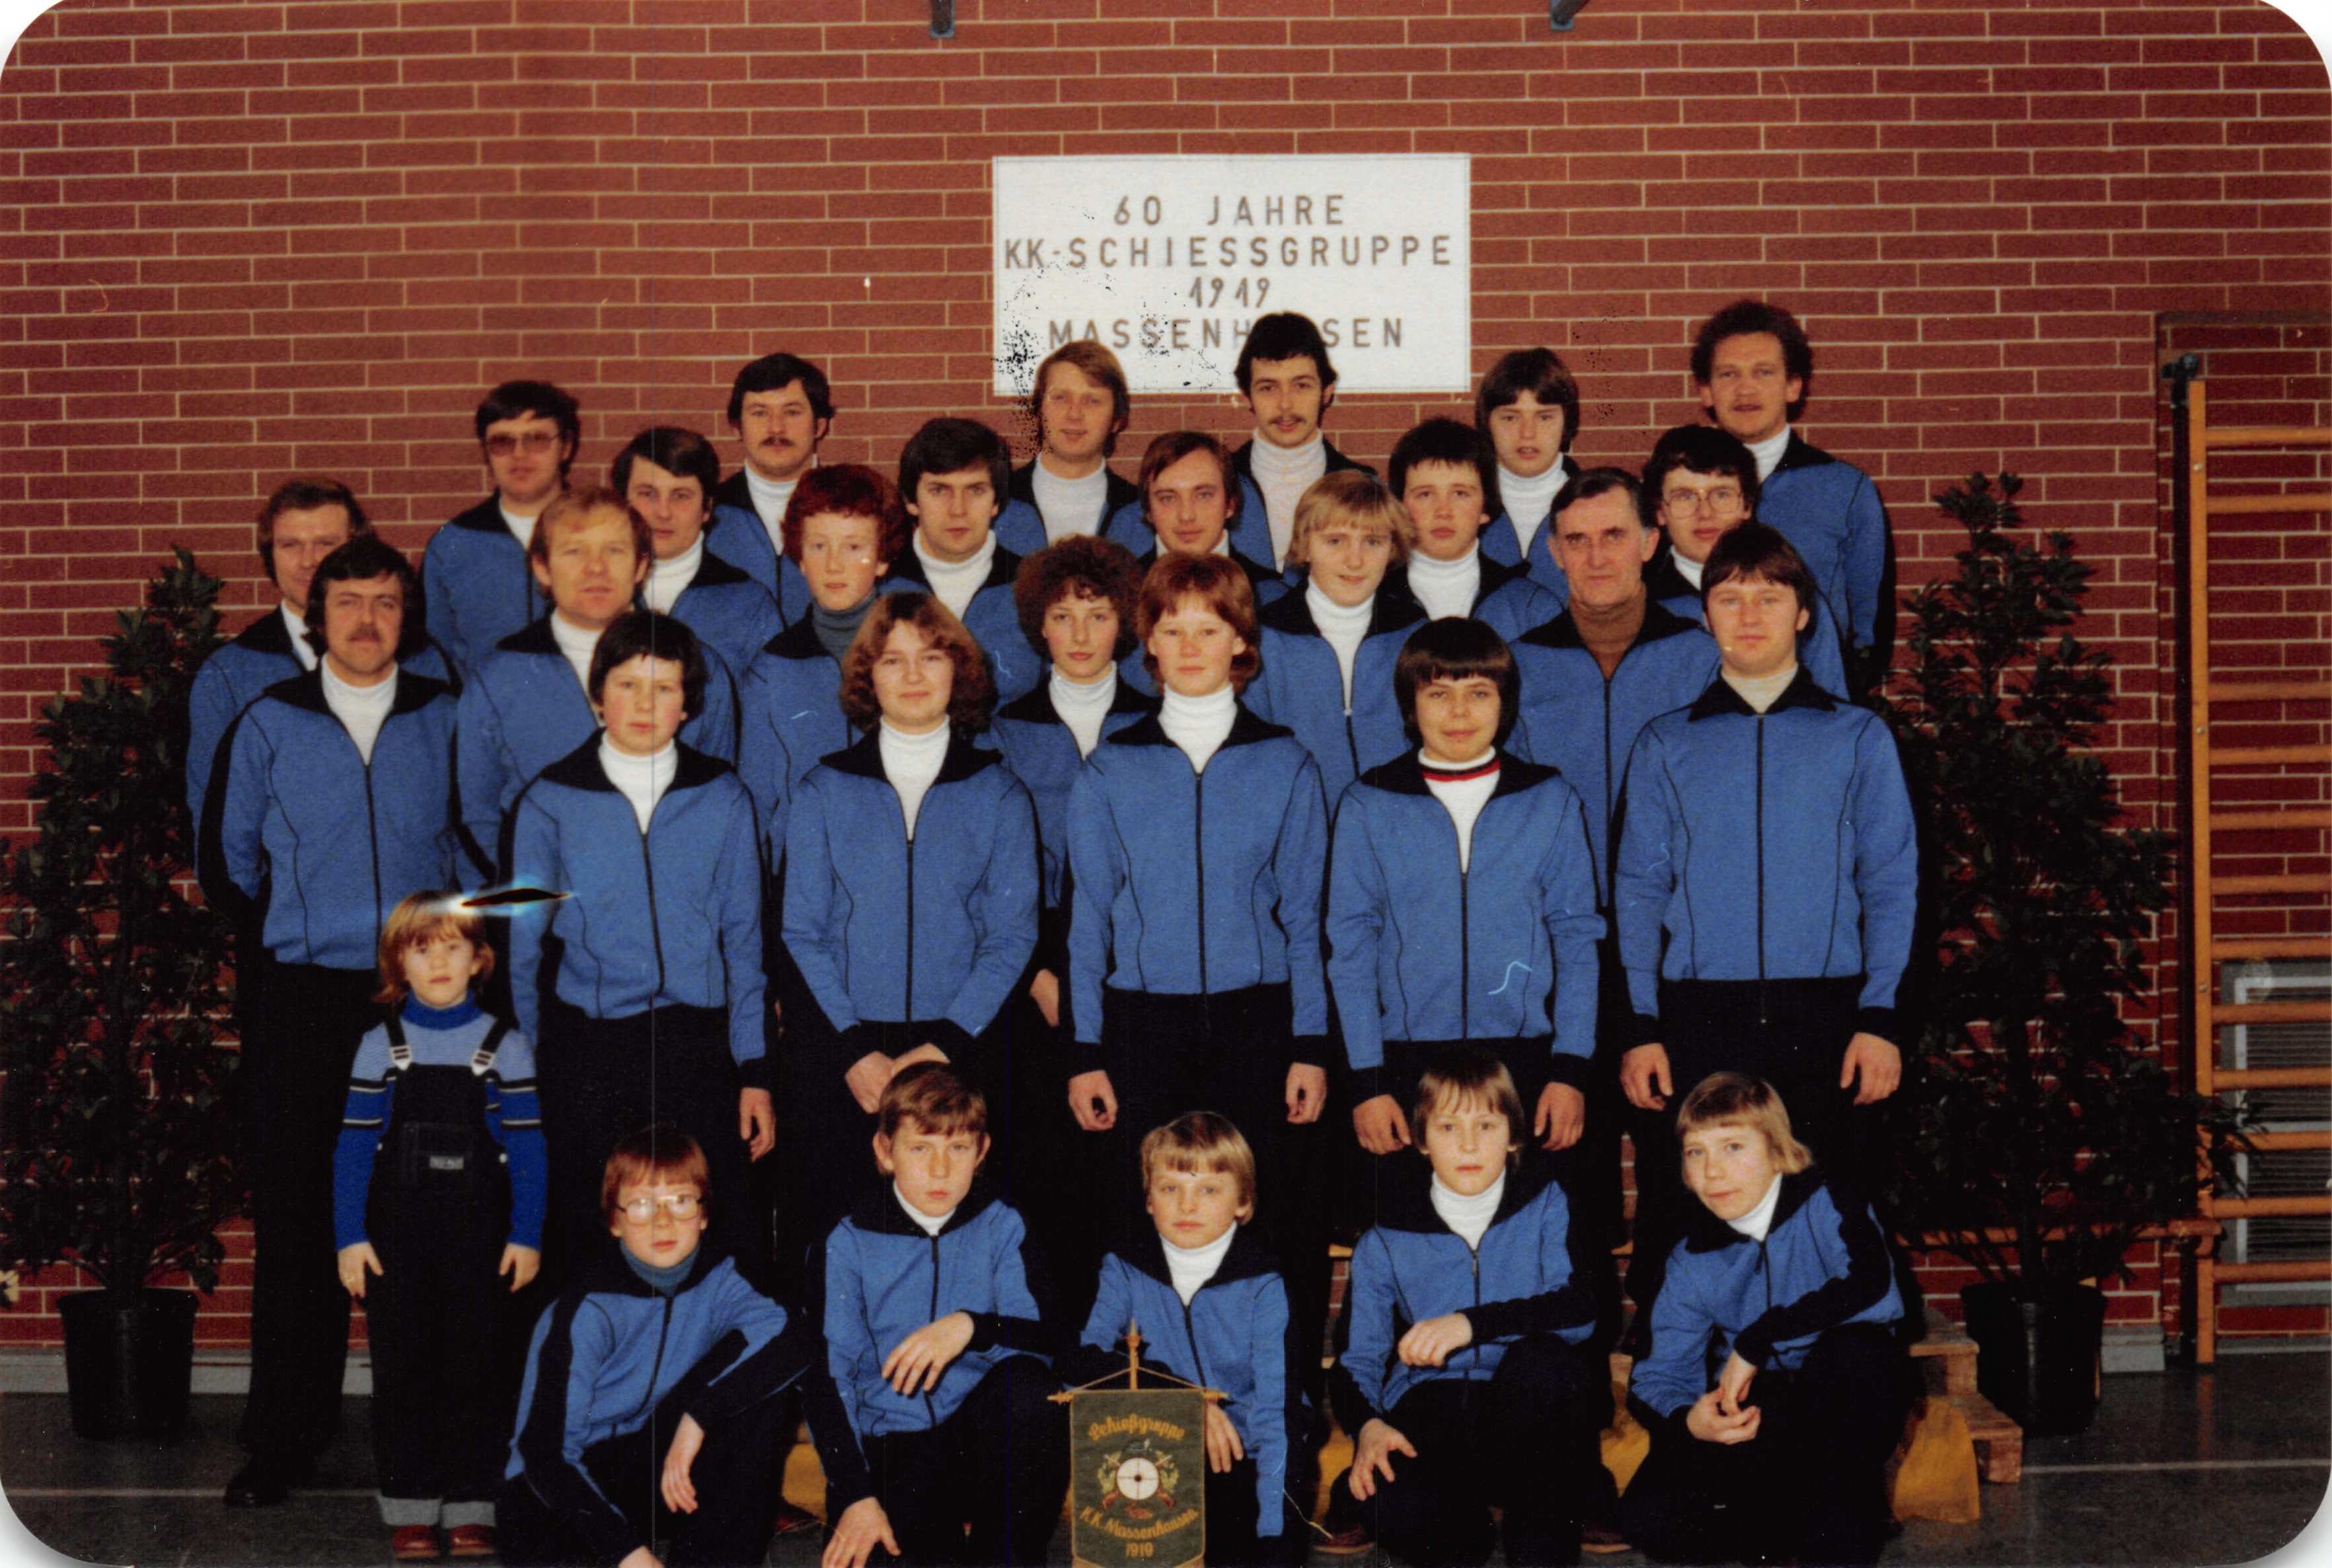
(117, 1147)
(2041, 1135)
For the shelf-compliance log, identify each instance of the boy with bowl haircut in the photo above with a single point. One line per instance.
(654, 1001)
(426, 1234)
(648, 1407)
(1212, 1310)
(934, 1313)
(1446, 475)
(1461, 1368)
(1784, 1275)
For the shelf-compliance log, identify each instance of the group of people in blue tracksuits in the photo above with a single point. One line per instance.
(1094, 852)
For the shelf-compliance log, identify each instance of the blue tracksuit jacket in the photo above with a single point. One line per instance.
(523, 710)
(1831, 512)
(1521, 1279)
(1818, 648)
(1302, 685)
(316, 843)
(736, 534)
(477, 584)
(1823, 1263)
(1418, 949)
(259, 656)
(1042, 755)
(732, 615)
(1234, 1336)
(611, 1353)
(892, 929)
(878, 1278)
(991, 618)
(1509, 603)
(1575, 720)
(1020, 527)
(1778, 846)
(1501, 543)
(788, 715)
(668, 917)
(1189, 883)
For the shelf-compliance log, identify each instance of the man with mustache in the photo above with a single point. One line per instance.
(781, 407)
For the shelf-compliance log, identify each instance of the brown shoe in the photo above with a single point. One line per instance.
(470, 1541)
(412, 1544)
(1601, 1538)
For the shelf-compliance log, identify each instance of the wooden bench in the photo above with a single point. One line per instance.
(1947, 1359)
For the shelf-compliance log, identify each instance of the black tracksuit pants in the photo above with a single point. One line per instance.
(1527, 1439)
(1000, 1465)
(1812, 1485)
(304, 1022)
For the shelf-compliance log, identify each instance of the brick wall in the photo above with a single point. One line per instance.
(248, 240)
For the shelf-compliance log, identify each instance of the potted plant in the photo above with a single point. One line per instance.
(116, 1143)
(2044, 1136)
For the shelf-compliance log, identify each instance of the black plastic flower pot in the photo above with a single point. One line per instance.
(2037, 1360)
(130, 1364)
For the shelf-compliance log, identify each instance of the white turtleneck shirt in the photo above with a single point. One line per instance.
(954, 582)
(668, 579)
(361, 710)
(1447, 588)
(1768, 452)
(1463, 788)
(1188, 1268)
(521, 527)
(1528, 501)
(1199, 726)
(1761, 692)
(1689, 570)
(1344, 626)
(929, 1224)
(642, 780)
(1084, 707)
(297, 625)
(770, 498)
(1284, 473)
(1069, 505)
(1469, 1216)
(1760, 1219)
(911, 763)
(577, 644)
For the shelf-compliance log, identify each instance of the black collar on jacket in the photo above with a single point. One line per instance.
(1001, 569)
(1800, 453)
(580, 770)
(882, 1213)
(1390, 609)
(1495, 575)
(534, 637)
(1117, 493)
(1246, 729)
(1035, 706)
(799, 641)
(1405, 775)
(1405, 1205)
(1662, 580)
(1249, 1258)
(1659, 621)
(1243, 460)
(486, 517)
(863, 759)
(270, 633)
(306, 690)
(1705, 1232)
(711, 571)
(734, 491)
(1800, 692)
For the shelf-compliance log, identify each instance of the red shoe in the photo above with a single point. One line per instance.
(470, 1541)
(412, 1544)
(793, 1521)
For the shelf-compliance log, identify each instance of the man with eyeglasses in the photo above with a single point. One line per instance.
(475, 577)
(1752, 364)
(1699, 485)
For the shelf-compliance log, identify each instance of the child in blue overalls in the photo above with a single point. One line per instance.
(438, 1195)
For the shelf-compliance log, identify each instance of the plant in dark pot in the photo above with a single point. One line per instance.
(2041, 1136)
(116, 1143)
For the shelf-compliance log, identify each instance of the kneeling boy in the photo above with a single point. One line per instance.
(1213, 1311)
(647, 1405)
(1462, 1372)
(936, 1338)
(1785, 1276)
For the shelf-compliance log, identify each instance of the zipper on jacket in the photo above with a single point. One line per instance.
(931, 1411)
(647, 869)
(1352, 742)
(656, 1368)
(1466, 944)
(1199, 851)
(1761, 871)
(908, 1015)
(372, 831)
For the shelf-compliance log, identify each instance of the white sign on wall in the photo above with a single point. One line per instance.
(1168, 260)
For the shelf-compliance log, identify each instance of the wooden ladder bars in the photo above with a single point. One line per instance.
(2203, 888)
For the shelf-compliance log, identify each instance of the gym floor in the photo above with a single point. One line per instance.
(2185, 1466)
